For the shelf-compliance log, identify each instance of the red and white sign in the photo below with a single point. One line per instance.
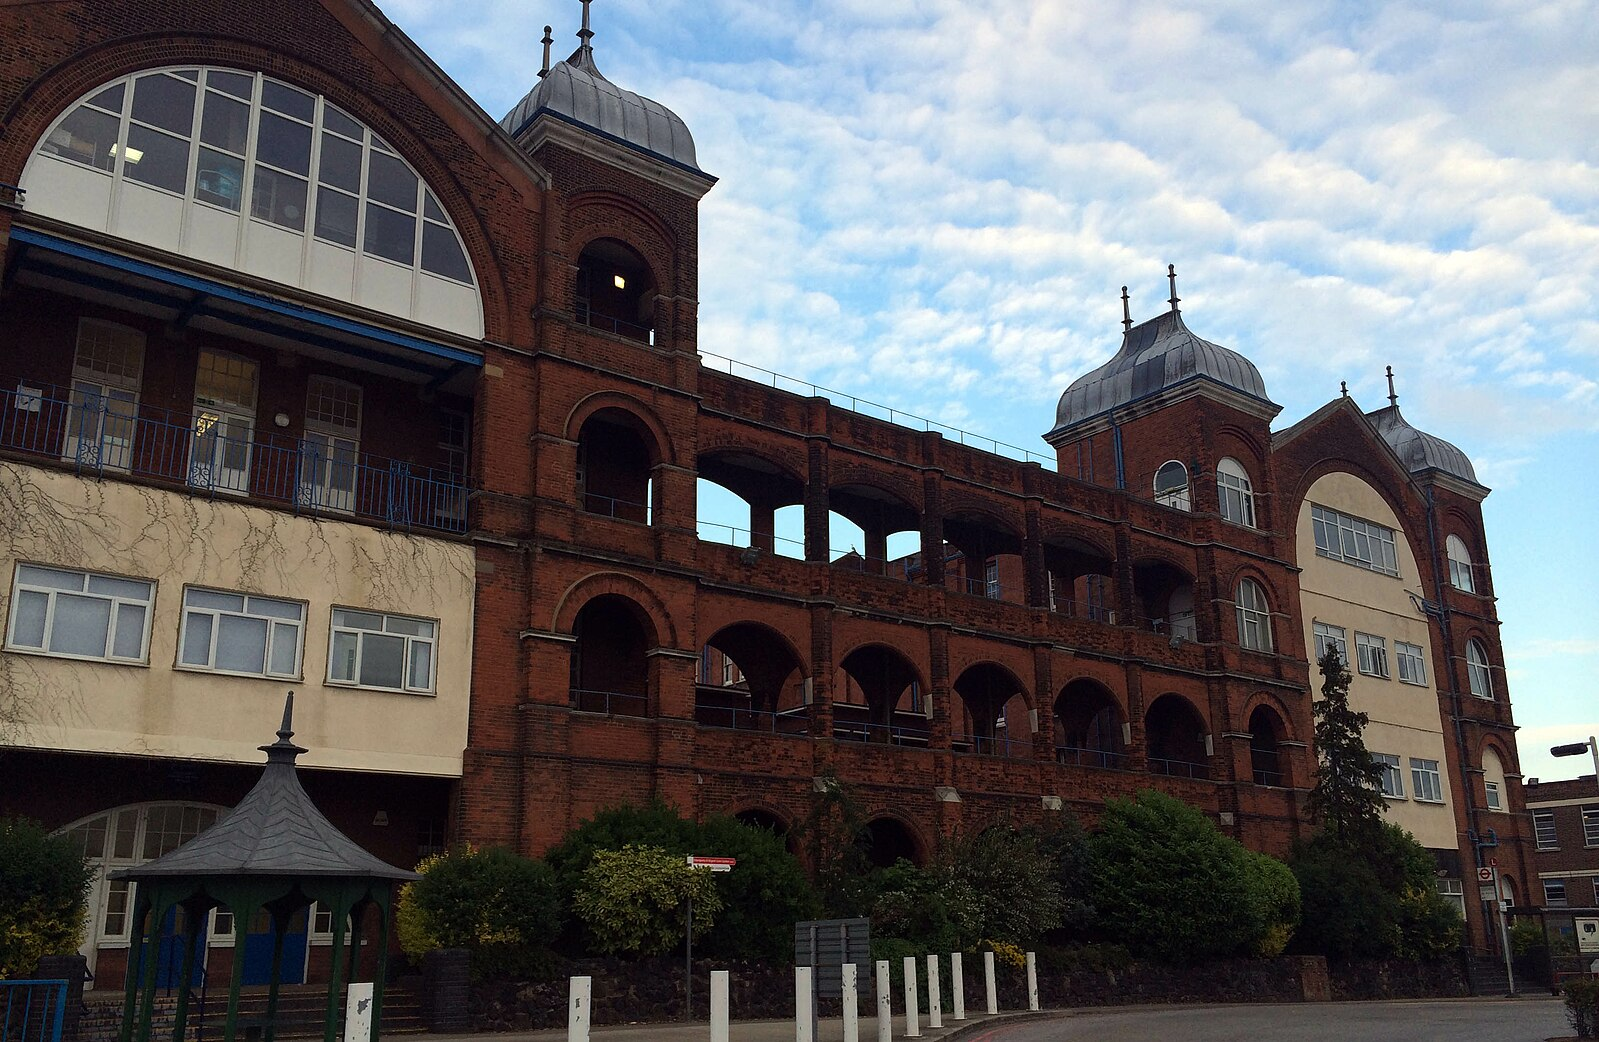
(715, 864)
(1485, 874)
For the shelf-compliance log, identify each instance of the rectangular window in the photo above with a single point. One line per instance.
(241, 633)
(1590, 826)
(388, 652)
(75, 614)
(1329, 636)
(224, 421)
(105, 395)
(1491, 795)
(1373, 654)
(1454, 892)
(1412, 668)
(1425, 781)
(991, 588)
(1543, 830)
(1554, 893)
(1353, 541)
(330, 453)
(1393, 779)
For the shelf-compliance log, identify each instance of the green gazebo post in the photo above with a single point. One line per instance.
(276, 851)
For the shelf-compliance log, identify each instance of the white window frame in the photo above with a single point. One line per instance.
(1412, 663)
(1353, 540)
(276, 627)
(1554, 894)
(335, 629)
(1324, 634)
(22, 584)
(1544, 833)
(1172, 495)
(1493, 797)
(1590, 826)
(1454, 892)
(1254, 616)
(1426, 781)
(330, 463)
(1371, 652)
(1460, 576)
(208, 451)
(106, 440)
(1478, 673)
(1393, 778)
(1235, 493)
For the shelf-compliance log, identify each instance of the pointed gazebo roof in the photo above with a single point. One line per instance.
(274, 831)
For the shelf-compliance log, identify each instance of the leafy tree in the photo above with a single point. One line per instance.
(1380, 901)
(925, 908)
(1278, 891)
(1014, 886)
(653, 824)
(504, 909)
(1348, 791)
(44, 887)
(635, 900)
(1065, 844)
(831, 837)
(1168, 885)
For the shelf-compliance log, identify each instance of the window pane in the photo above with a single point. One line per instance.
(285, 645)
(157, 159)
(119, 587)
(235, 84)
(164, 102)
(410, 627)
(390, 181)
(241, 644)
(27, 619)
(80, 625)
(278, 198)
(390, 235)
(341, 660)
(86, 137)
(421, 666)
(335, 217)
(334, 119)
(225, 122)
(127, 824)
(211, 599)
(219, 179)
(51, 578)
(357, 620)
(341, 163)
(431, 208)
(129, 639)
(110, 98)
(284, 98)
(382, 660)
(284, 143)
(291, 610)
(441, 253)
(196, 639)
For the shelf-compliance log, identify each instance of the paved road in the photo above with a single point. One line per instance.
(1458, 1020)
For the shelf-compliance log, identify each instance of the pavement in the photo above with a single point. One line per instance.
(830, 1030)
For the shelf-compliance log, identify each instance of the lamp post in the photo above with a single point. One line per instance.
(1591, 747)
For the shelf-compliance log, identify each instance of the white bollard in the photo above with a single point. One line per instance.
(957, 986)
(802, 1004)
(577, 1013)
(913, 1027)
(852, 1027)
(885, 1007)
(993, 993)
(1032, 982)
(719, 1005)
(935, 1001)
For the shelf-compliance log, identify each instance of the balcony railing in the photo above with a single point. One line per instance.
(1268, 777)
(1077, 757)
(621, 509)
(215, 454)
(1179, 768)
(610, 703)
(983, 745)
(734, 718)
(631, 330)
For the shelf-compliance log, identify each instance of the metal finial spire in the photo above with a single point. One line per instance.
(284, 750)
(1393, 399)
(1127, 313)
(585, 34)
(1171, 273)
(1343, 385)
(548, 39)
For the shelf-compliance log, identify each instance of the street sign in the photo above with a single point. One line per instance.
(1485, 874)
(1487, 893)
(715, 864)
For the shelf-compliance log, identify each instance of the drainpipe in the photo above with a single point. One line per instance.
(1116, 445)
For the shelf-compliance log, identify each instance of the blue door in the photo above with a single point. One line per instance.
(169, 951)
(258, 950)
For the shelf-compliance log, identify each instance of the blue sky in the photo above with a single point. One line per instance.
(934, 204)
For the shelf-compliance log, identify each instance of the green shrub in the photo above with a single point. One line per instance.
(923, 908)
(504, 909)
(635, 900)
(1375, 898)
(1278, 893)
(1582, 1005)
(1003, 886)
(44, 887)
(1527, 937)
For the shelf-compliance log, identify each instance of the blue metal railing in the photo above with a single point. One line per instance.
(886, 734)
(983, 745)
(734, 718)
(34, 1010)
(217, 454)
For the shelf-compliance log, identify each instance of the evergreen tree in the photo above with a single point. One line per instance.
(1348, 792)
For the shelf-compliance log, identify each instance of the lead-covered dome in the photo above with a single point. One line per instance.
(1155, 356)
(1418, 450)
(574, 91)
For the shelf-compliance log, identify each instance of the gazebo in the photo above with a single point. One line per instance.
(274, 852)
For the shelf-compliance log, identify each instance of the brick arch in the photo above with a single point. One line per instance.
(1387, 486)
(918, 834)
(962, 506)
(1055, 531)
(1140, 553)
(41, 102)
(726, 443)
(919, 671)
(778, 636)
(664, 451)
(1277, 601)
(1238, 437)
(842, 474)
(1507, 759)
(1200, 709)
(1276, 705)
(1023, 688)
(596, 584)
(592, 216)
(757, 806)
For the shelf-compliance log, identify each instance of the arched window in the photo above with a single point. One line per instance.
(1459, 564)
(1493, 782)
(1254, 616)
(1171, 485)
(615, 291)
(1477, 674)
(241, 170)
(1235, 493)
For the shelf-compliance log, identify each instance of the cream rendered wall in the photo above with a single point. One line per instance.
(1405, 718)
(60, 519)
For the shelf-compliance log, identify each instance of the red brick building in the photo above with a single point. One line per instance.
(1565, 825)
(313, 375)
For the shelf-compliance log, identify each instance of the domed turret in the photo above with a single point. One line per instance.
(575, 92)
(1417, 450)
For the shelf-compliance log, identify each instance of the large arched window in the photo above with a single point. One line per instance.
(1254, 616)
(1235, 493)
(248, 172)
(1459, 564)
(1171, 485)
(1477, 674)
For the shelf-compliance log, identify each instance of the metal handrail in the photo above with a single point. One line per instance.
(1084, 757)
(986, 745)
(612, 506)
(610, 703)
(1179, 768)
(883, 734)
(794, 721)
